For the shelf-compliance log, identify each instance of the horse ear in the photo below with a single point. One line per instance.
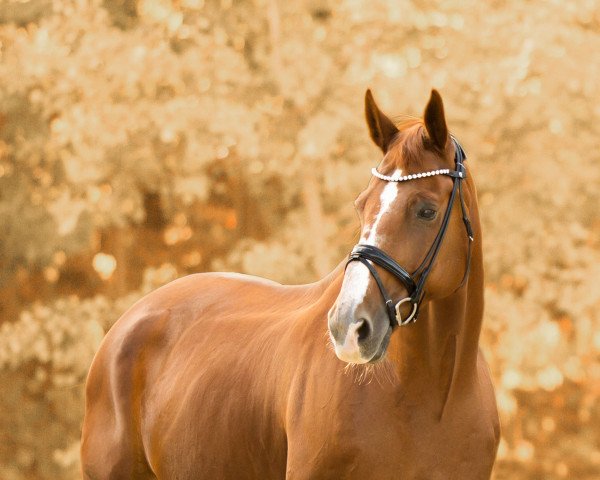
(381, 128)
(435, 121)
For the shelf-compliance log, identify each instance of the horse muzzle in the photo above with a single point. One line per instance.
(356, 337)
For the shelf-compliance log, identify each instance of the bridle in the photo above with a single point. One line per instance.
(415, 282)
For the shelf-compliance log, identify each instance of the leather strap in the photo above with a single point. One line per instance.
(382, 259)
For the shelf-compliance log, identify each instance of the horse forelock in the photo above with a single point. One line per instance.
(408, 150)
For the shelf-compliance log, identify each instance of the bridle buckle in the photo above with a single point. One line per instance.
(412, 317)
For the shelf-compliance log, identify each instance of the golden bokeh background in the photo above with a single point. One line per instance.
(141, 140)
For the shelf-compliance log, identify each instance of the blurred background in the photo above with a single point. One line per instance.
(142, 140)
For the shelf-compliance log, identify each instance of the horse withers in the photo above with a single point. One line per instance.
(228, 376)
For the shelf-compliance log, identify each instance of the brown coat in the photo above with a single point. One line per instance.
(221, 376)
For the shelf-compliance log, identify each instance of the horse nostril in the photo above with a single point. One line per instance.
(364, 330)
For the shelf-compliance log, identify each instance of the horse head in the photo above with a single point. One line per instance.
(408, 224)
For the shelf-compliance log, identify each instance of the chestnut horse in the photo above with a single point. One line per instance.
(228, 376)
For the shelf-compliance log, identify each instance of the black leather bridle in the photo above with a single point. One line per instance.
(415, 282)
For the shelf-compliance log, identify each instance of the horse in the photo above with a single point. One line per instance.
(370, 373)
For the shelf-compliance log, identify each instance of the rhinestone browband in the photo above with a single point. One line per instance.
(404, 178)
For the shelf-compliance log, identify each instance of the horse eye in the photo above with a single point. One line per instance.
(427, 213)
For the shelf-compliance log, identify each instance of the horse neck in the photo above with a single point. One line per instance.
(440, 350)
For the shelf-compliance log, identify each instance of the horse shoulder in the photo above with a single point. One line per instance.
(154, 325)
(128, 359)
(157, 367)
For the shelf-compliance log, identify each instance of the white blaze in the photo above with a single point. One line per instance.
(357, 279)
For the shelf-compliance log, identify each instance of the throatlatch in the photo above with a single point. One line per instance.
(415, 282)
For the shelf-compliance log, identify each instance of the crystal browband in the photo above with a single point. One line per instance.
(404, 178)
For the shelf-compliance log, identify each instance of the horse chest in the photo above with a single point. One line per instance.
(375, 437)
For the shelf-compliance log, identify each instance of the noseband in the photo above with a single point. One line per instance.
(415, 282)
